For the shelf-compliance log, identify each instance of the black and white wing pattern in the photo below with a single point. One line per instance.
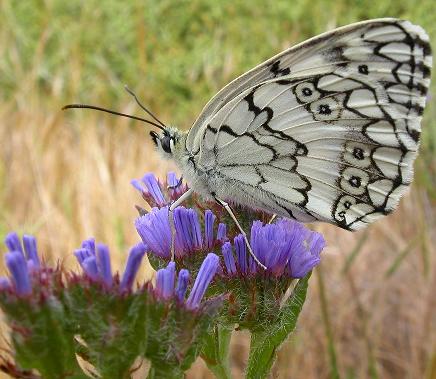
(327, 130)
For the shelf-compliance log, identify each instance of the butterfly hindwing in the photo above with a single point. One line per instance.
(327, 130)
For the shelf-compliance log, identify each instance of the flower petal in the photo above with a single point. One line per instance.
(204, 277)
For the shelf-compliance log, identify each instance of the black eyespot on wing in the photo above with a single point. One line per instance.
(355, 181)
(307, 91)
(358, 153)
(324, 109)
(363, 69)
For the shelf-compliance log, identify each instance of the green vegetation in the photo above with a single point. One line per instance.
(66, 173)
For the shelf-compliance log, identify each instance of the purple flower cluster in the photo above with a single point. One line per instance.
(166, 277)
(155, 231)
(95, 262)
(21, 262)
(285, 248)
(158, 194)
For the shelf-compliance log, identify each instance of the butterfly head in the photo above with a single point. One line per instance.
(167, 141)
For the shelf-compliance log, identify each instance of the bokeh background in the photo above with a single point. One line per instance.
(64, 176)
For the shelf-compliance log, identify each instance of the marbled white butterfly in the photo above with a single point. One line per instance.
(327, 130)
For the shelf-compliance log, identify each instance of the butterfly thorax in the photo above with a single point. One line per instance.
(171, 145)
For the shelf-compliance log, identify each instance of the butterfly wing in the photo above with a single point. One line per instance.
(327, 130)
(320, 54)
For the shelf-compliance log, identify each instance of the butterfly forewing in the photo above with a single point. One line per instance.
(327, 130)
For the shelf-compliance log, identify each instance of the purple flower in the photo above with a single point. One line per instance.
(209, 219)
(241, 253)
(175, 186)
(31, 250)
(87, 259)
(229, 259)
(17, 266)
(96, 263)
(157, 194)
(155, 231)
(204, 277)
(285, 248)
(21, 262)
(272, 243)
(165, 281)
(89, 265)
(81, 254)
(133, 262)
(305, 254)
(182, 285)
(188, 230)
(13, 243)
(154, 188)
(89, 245)
(104, 264)
(221, 234)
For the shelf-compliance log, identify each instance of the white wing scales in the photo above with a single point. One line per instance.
(327, 130)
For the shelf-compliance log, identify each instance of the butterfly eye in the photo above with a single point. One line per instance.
(167, 144)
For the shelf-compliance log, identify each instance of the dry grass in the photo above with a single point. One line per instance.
(68, 180)
(65, 179)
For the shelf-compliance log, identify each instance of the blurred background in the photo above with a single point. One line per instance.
(64, 176)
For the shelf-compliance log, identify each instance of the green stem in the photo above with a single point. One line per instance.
(262, 356)
(266, 342)
(215, 352)
(334, 371)
(162, 371)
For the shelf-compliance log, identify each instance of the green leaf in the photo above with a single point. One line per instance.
(114, 328)
(42, 339)
(266, 342)
(176, 336)
(215, 352)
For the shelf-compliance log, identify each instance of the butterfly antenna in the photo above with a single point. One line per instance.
(143, 107)
(85, 106)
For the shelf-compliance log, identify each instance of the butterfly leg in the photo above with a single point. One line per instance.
(274, 216)
(226, 206)
(171, 208)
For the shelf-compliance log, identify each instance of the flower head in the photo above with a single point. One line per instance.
(17, 266)
(20, 263)
(165, 282)
(54, 305)
(155, 231)
(158, 194)
(96, 264)
(285, 248)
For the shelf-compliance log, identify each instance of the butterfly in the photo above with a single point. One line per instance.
(327, 130)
